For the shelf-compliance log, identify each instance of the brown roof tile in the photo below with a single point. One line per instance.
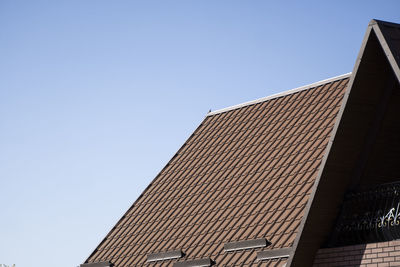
(245, 173)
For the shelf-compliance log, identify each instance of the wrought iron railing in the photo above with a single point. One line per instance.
(369, 216)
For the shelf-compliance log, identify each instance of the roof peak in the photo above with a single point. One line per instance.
(284, 93)
(382, 22)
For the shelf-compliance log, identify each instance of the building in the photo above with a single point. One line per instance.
(309, 177)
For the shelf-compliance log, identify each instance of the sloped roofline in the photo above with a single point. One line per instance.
(284, 93)
(388, 47)
(392, 54)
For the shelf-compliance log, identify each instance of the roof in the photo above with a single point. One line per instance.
(244, 174)
(249, 186)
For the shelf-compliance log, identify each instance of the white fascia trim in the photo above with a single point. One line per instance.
(288, 92)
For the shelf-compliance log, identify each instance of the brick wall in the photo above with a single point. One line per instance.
(367, 255)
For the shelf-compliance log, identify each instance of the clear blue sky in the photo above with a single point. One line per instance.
(96, 96)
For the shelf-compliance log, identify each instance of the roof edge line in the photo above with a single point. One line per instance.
(284, 93)
(387, 49)
(386, 23)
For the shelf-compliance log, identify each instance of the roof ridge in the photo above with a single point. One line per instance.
(291, 91)
(382, 22)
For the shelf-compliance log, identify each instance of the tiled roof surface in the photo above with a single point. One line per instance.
(246, 173)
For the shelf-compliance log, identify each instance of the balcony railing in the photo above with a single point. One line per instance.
(369, 216)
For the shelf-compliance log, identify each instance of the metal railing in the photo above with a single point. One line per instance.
(369, 216)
